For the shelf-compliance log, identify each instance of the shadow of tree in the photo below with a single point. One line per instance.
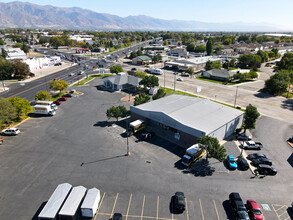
(288, 104)
(201, 168)
(103, 124)
(263, 95)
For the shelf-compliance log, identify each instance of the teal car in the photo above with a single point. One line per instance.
(231, 162)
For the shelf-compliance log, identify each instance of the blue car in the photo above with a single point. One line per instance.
(231, 162)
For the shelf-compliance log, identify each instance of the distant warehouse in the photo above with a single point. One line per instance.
(186, 118)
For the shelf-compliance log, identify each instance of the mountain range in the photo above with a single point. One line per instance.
(28, 15)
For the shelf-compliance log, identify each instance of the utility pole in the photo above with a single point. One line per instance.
(235, 96)
(174, 80)
(127, 142)
(3, 83)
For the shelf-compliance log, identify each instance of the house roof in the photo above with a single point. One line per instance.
(124, 78)
(221, 73)
(143, 58)
(188, 113)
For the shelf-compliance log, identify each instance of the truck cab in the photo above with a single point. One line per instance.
(192, 154)
(135, 126)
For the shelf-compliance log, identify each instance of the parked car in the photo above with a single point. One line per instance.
(133, 69)
(242, 164)
(231, 162)
(254, 210)
(179, 79)
(117, 216)
(10, 131)
(256, 156)
(1, 140)
(256, 162)
(62, 99)
(243, 137)
(251, 145)
(71, 74)
(147, 135)
(179, 201)
(80, 72)
(290, 139)
(266, 170)
(57, 102)
(237, 206)
(69, 95)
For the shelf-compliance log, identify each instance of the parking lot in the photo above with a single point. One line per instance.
(80, 146)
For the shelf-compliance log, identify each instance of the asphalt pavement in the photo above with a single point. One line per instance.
(79, 146)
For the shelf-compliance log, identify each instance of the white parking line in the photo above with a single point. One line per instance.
(216, 210)
(201, 209)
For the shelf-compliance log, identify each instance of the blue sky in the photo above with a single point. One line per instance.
(248, 11)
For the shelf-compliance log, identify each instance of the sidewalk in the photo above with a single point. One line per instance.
(39, 73)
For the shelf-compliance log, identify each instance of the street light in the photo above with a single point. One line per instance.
(127, 143)
(235, 96)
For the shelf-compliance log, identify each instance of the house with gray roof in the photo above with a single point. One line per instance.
(216, 74)
(122, 81)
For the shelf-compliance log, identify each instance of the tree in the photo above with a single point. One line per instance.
(116, 112)
(6, 69)
(25, 48)
(252, 74)
(20, 69)
(133, 54)
(116, 69)
(264, 56)
(232, 62)
(150, 81)
(249, 60)
(214, 149)
(209, 46)
(277, 83)
(43, 95)
(157, 58)
(140, 74)
(2, 41)
(190, 71)
(213, 65)
(208, 65)
(227, 41)
(160, 94)
(141, 98)
(4, 53)
(250, 116)
(200, 48)
(139, 53)
(165, 43)
(7, 111)
(226, 65)
(286, 61)
(58, 85)
(22, 106)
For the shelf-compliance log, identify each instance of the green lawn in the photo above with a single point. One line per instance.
(86, 80)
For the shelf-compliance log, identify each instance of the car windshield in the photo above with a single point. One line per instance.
(242, 210)
(185, 160)
(256, 211)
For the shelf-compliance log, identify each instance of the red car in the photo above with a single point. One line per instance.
(57, 102)
(254, 210)
(62, 99)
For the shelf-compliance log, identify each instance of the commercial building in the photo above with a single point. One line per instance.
(122, 81)
(185, 118)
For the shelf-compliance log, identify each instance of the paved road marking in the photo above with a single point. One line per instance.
(100, 205)
(283, 208)
(158, 201)
(142, 208)
(114, 205)
(216, 210)
(187, 216)
(128, 207)
(201, 209)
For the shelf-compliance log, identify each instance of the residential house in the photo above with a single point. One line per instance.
(172, 42)
(216, 74)
(122, 81)
(141, 60)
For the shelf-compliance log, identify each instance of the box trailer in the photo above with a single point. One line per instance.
(192, 154)
(91, 202)
(55, 202)
(71, 207)
(53, 106)
(44, 110)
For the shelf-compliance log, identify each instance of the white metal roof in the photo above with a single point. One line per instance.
(73, 201)
(54, 203)
(188, 114)
(91, 200)
(137, 122)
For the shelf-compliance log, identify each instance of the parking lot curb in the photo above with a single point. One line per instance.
(28, 118)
